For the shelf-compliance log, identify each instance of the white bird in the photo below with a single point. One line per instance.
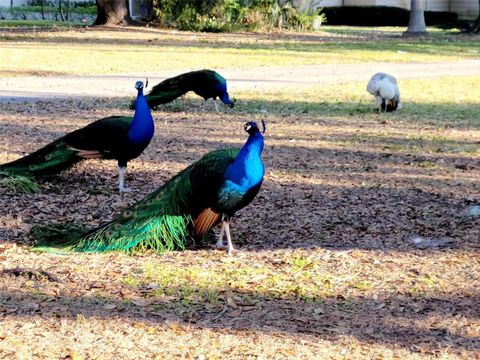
(385, 89)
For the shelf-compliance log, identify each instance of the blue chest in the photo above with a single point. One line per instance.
(142, 127)
(245, 173)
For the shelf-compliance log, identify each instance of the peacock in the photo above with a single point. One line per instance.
(122, 138)
(205, 83)
(181, 211)
(385, 89)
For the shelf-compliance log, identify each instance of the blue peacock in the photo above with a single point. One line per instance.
(205, 83)
(122, 138)
(185, 208)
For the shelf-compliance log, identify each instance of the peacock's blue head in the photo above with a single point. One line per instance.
(251, 127)
(139, 85)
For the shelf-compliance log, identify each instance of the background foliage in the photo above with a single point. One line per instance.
(228, 15)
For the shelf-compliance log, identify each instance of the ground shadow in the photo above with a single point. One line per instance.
(392, 320)
(314, 195)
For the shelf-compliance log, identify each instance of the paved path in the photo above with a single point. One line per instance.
(32, 88)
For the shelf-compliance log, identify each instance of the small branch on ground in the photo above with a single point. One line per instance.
(31, 273)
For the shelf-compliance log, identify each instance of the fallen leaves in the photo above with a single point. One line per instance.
(326, 255)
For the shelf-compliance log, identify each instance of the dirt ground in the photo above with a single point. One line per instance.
(351, 249)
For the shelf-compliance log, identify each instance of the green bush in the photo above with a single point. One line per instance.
(228, 15)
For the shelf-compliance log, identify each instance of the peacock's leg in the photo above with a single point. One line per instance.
(229, 238)
(121, 180)
(215, 101)
(219, 243)
(205, 105)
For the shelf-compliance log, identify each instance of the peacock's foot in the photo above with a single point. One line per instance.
(220, 245)
(230, 251)
(124, 190)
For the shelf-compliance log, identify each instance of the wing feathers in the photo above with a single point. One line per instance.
(205, 221)
(87, 154)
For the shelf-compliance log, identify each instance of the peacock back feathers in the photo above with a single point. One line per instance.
(205, 83)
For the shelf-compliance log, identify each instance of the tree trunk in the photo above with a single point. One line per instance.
(416, 25)
(476, 25)
(68, 15)
(113, 12)
(60, 10)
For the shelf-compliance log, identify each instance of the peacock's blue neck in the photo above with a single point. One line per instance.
(221, 89)
(247, 169)
(225, 98)
(142, 126)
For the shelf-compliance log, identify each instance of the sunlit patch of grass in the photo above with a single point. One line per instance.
(303, 279)
(131, 281)
(98, 52)
(301, 263)
(425, 143)
(425, 101)
(362, 285)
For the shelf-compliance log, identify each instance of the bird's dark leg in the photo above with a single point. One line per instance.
(121, 179)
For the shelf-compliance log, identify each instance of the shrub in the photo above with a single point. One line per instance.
(223, 15)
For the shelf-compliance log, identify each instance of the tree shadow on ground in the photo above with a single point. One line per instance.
(314, 195)
(449, 114)
(412, 322)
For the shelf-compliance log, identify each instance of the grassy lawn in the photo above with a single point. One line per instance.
(40, 24)
(426, 101)
(362, 243)
(90, 51)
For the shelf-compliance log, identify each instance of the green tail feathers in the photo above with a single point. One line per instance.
(49, 160)
(161, 221)
(158, 222)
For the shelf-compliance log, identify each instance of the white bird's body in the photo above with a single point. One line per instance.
(385, 89)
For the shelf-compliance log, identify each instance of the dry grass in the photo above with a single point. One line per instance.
(361, 244)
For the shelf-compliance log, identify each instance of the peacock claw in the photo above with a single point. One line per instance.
(124, 190)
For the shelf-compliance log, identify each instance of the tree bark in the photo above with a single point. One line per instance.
(476, 25)
(113, 12)
(416, 25)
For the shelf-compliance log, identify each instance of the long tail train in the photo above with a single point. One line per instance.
(49, 160)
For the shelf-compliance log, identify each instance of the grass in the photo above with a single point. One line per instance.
(425, 101)
(149, 51)
(38, 24)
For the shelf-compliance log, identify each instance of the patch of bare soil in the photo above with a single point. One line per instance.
(350, 250)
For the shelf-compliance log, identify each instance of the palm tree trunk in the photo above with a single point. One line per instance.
(113, 12)
(416, 25)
